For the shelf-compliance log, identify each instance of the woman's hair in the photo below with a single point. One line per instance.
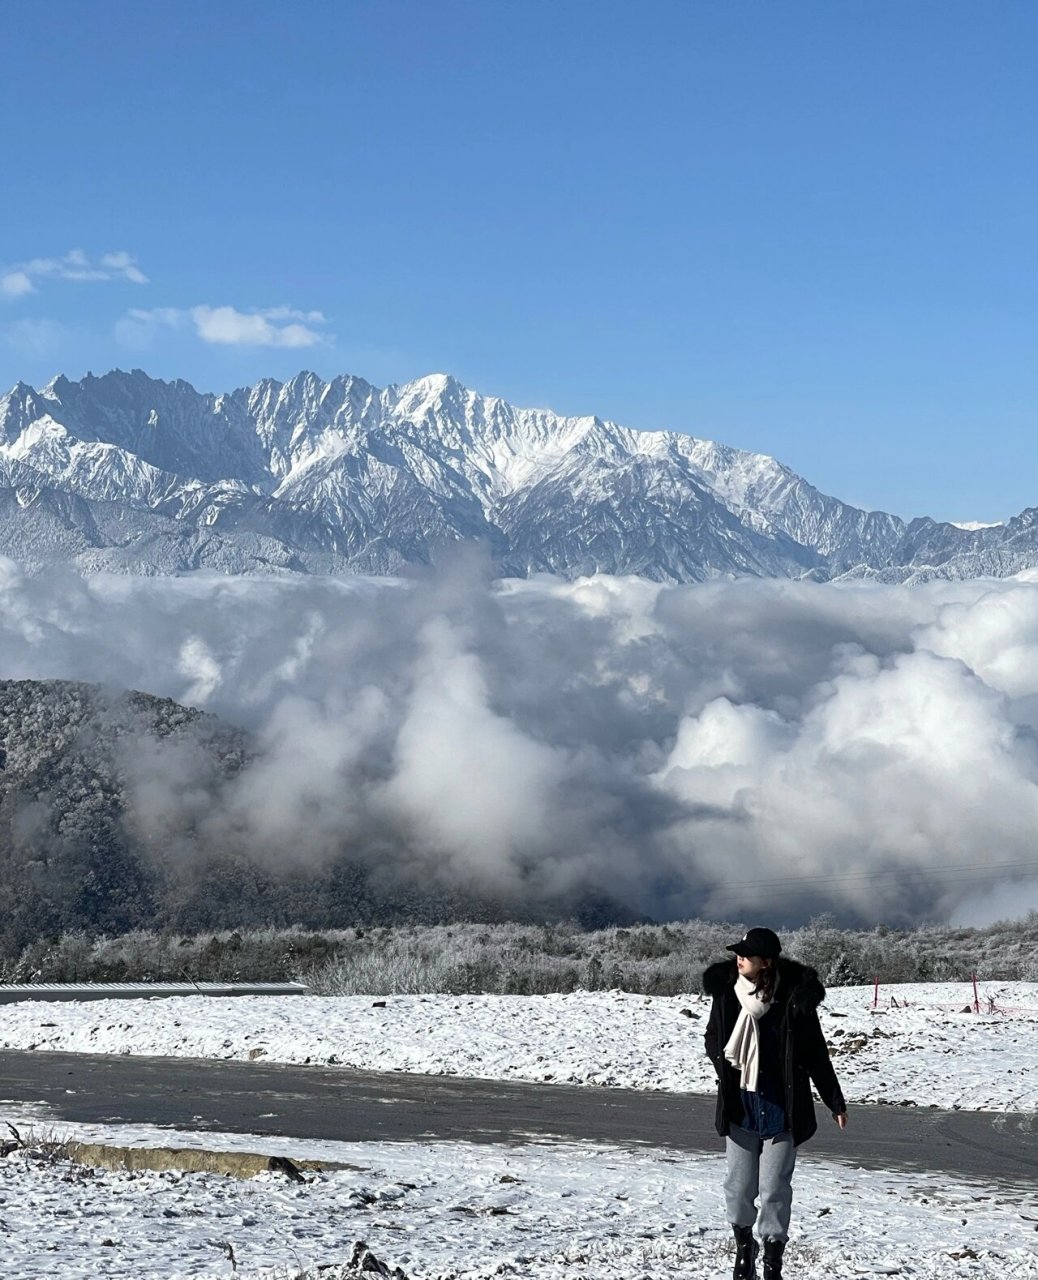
(766, 981)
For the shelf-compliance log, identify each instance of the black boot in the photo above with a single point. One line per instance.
(773, 1251)
(745, 1253)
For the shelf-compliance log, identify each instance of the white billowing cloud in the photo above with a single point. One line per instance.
(909, 765)
(226, 326)
(197, 663)
(471, 785)
(19, 280)
(301, 802)
(747, 749)
(999, 641)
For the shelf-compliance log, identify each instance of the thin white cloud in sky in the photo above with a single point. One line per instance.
(19, 280)
(126, 265)
(278, 327)
(15, 284)
(226, 326)
(34, 337)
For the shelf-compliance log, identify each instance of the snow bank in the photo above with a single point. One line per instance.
(919, 1045)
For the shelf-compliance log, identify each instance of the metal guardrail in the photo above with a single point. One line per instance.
(12, 992)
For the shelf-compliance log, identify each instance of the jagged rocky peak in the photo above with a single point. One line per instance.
(306, 416)
(434, 390)
(437, 402)
(21, 406)
(58, 385)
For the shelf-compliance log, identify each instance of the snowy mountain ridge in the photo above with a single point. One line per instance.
(129, 473)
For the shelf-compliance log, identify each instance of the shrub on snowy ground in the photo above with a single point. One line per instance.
(462, 960)
(377, 973)
(40, 1145)
(362, 1261)
(523, 959)
(649, 960)
(257, 955)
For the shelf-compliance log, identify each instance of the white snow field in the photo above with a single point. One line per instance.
(542, 1211)
(457, 1211)
(921, 1045)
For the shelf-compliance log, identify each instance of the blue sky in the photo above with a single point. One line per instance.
(807, 229)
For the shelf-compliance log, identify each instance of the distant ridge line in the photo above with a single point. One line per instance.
(130, 474)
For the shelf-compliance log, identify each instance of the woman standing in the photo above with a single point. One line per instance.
(767, 1047)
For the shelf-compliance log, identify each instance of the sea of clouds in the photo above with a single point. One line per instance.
(740, 749)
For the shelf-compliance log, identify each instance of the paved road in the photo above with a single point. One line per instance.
(356, 1106)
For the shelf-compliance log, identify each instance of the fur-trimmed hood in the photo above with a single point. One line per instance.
(798, 983)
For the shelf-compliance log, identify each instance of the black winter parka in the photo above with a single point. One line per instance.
(804, 1054)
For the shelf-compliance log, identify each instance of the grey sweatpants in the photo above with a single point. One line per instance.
(764, 1167)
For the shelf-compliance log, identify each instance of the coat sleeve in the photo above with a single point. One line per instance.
(819, 1065)
(712, 1038)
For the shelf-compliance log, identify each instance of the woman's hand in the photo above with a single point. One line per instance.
(841, 1118)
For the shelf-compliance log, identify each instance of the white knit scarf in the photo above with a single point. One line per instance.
(743, 1047)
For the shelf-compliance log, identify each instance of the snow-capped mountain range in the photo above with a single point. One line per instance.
(132, 474)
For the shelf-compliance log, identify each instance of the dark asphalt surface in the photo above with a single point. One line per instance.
(355, 1106)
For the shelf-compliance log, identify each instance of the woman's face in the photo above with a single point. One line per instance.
(749, 966)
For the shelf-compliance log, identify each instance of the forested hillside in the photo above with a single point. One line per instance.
(107, 801)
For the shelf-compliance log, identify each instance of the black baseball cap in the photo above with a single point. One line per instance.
(758, 942)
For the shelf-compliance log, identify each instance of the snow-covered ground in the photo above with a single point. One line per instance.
(920, 1045)
(543, 1211)
(454, 1211)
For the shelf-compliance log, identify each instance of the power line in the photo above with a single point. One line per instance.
(960, 873)
(1031, 866)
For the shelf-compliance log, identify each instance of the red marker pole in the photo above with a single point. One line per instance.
(875, 995)
(976, 996)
